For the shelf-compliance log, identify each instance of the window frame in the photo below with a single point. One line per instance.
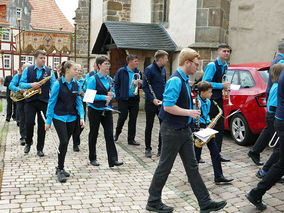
(5, 58)
(5, 32)
(19, 12)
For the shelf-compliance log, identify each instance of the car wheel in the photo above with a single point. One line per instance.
(240, 130)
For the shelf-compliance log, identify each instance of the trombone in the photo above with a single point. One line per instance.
(227, 91)
(271, 144)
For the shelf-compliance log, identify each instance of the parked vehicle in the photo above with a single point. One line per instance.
(246, 116)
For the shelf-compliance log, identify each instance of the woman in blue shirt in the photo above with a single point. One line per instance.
(63, 106)
(99, 112)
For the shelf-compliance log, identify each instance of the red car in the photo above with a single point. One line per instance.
(246, 116)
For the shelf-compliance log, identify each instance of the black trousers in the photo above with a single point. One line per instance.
(266, 134)
(78, 130)
(177, 142)
(151, 110)
(64, 131)
(11, 109)
(274, 157)
(277, 170)
(131, 106)
(31, 109)
(95, 119)
(21, 116)
(220, 124)
(215, 157)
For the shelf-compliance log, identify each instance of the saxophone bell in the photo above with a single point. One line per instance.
(135, 82)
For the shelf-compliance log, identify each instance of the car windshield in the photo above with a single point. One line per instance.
(264, 75)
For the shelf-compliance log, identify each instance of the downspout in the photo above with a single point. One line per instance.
(89, 34)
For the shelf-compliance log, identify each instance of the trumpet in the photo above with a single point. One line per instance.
(227, 91)
(271, 144)
(135, 82)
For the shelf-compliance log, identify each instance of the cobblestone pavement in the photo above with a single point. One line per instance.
(29, 183)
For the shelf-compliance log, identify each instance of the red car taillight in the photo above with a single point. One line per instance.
(261, 100)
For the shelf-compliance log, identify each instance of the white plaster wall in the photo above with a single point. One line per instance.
(255, 29)
(182, 21)
(96, 23)
(140, 11)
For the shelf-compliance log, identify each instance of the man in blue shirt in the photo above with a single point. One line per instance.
(14, 86)
(31, 77)
(153, 85)
(214, 73)
(126, 81)
(176, 114)
(279, 58)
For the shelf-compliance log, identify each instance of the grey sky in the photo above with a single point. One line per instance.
(68, 8)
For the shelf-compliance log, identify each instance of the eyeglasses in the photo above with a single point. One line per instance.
(196, 64)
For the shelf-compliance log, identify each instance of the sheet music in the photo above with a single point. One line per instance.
(235, 87)
(205, 134)
(89, 96)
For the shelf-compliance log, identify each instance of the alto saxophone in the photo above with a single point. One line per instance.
(32, 91)
(198, 142)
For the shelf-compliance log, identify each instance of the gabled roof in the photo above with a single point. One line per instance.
(46, 15)
(128, 35)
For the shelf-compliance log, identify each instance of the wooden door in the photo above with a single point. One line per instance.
(117, 60)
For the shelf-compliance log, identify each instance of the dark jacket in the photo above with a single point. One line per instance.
(274, 61)
(121, 85)
(156, 76)
(7, 81)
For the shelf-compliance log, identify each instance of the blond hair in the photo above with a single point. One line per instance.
(276, 71)
(187, 54)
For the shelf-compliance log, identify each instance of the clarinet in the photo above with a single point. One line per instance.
(197, 128)
(107, 102)
(150, 87)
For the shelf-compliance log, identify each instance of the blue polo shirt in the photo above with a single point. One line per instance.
(272, 99)
(210, 71)
(173, 88)
(92, 85)
(24, 78)
(131, 75)
(53, 100)
(13, 84)
(205, 109)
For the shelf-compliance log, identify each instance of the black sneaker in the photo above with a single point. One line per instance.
(213, 206)
(27, 148)
(61, 177)
(255, 158)
(40, 153)
(161, 207)
(63, 171)
(257, 203)
(148, 153)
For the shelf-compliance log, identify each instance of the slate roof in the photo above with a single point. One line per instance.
(46, 15)
(128, 35)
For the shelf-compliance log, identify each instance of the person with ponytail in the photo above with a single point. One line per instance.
(97, 113)
(63, 107)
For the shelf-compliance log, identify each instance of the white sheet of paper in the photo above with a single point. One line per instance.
(204, 134)
(89, 96)
(235, 87)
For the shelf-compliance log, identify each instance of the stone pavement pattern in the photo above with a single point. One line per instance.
(30, 185)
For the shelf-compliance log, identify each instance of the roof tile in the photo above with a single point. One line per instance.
(46, 15)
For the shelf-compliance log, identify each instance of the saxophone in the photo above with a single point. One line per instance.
(16, 96)
(31, 92)
(198, 142)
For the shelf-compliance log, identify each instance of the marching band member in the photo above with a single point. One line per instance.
(267, 133)
(214, 73)
(127, 100)
(36, 103)
(78, 130)
(205, 93)
(277, 170)
(97, 113)
(176, 114)
(14, 86)
(153, 85)
(63, 106)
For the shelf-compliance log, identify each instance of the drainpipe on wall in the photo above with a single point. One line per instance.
(89, 33)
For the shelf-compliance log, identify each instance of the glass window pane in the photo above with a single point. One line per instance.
(246, 79)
